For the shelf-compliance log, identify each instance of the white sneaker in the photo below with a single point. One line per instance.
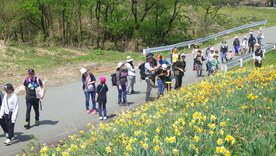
(8, 142)
(100, 118)
(105, 118)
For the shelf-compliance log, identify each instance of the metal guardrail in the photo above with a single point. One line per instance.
(188, 43)
(244, 58)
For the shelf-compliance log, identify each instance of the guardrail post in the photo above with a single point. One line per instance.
(241, 62)
(144, 51)
(274, 46)
(225, 68)
(189, 46)
(264, 51)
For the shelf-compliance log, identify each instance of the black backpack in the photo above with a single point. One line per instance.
(142, 71)
(114, 79)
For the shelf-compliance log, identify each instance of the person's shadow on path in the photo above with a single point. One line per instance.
(20, 137)
(46, 122)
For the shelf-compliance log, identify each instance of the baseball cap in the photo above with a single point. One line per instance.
(149, 56)
(102, 79)
(164, 66)
(7, 87)
(31, 71)
(183, 55)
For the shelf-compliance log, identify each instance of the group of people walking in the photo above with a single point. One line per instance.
(34, 91)
(154, 69)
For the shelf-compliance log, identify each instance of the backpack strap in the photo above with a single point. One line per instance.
(102, 88)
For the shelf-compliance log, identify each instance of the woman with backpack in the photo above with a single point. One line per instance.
(89, 88)
(9, 111)
(121, 78)
(131, 75)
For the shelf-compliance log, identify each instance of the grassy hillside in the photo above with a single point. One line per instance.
(21, 57)
(254, 13)
(229, 114)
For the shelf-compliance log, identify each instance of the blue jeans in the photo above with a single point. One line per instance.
(161, 86)
(102, 109)
(122, 93)
(87, 98)
(223, 57)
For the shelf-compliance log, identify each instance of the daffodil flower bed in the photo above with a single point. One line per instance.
(228, 114)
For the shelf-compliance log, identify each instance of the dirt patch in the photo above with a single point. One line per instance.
(76, 52)
(41, 52)
(64, 74)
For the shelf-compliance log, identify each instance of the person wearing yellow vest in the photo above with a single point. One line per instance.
(174, 56)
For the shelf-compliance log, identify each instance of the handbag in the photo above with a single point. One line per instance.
(196, 68)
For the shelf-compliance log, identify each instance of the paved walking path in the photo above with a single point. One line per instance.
(64, 111)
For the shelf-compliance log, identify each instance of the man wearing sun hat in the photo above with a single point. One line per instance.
(179, 70)
(131, 75)
(150, 73)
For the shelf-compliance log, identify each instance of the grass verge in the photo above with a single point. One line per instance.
(228, 114)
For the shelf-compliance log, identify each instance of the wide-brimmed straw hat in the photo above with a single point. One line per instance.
(119, 65)
(129, 59)
(83, 70)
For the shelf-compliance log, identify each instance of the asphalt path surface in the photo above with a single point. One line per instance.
(63, 112)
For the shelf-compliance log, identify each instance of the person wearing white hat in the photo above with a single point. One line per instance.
(258, 56)
(260, 36)
(236, 45)
(230, 55)
(208, 49)
(179, 70)
(121, 78)
(244, 45)
(89, 88)
(131, 75)
(209, 60)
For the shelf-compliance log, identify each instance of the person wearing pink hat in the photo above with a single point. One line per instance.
(102, 90)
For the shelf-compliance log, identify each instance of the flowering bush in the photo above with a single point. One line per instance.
(228, 114)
